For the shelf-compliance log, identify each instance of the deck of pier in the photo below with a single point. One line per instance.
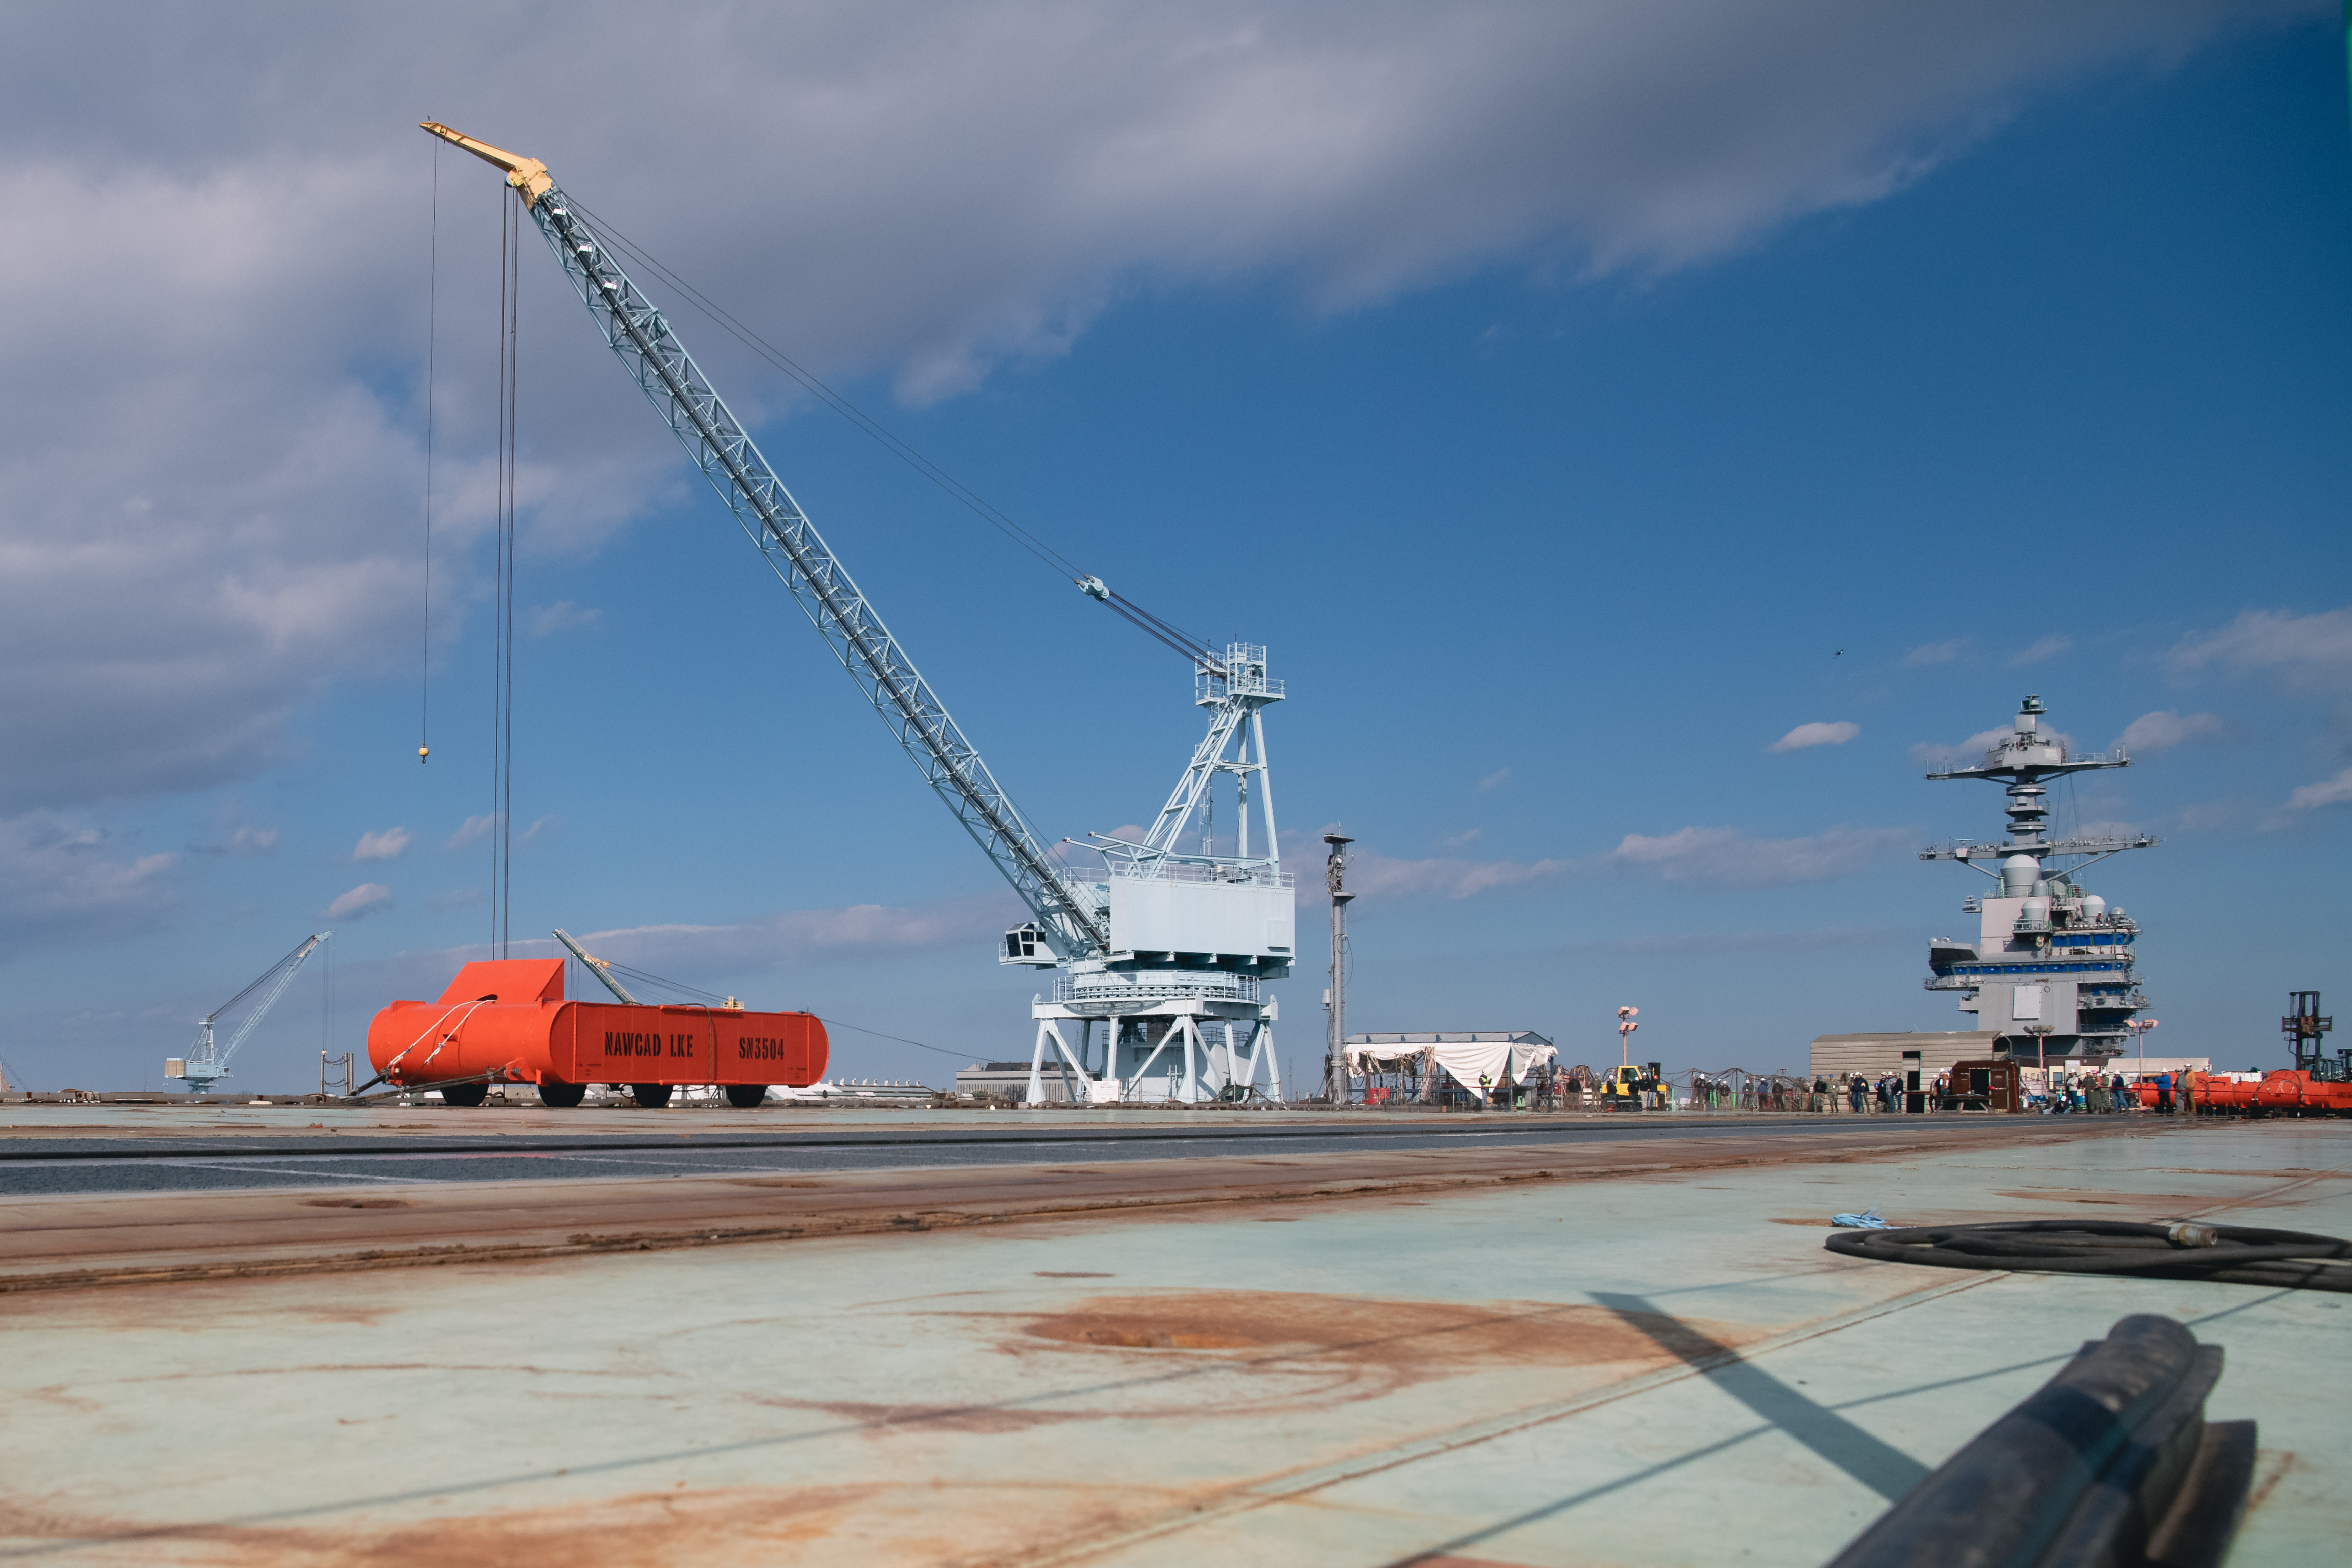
(233, 1335)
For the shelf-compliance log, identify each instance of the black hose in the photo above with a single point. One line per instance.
(2237, 1255)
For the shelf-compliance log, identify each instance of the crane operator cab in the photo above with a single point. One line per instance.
(1026, 944)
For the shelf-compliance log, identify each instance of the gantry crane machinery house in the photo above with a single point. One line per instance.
(1168, 951)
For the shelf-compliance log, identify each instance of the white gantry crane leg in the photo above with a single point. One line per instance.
(1065, 1062)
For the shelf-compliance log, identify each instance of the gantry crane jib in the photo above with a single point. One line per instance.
(207, 1063)
(1073, 922)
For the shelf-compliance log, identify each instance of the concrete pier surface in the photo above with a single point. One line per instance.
(1606, 1349)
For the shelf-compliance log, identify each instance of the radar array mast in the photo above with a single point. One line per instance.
(2052, 972)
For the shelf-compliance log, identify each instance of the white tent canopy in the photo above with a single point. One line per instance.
(1498, 1057)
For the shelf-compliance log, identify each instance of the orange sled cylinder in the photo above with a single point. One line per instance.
(508, 1021)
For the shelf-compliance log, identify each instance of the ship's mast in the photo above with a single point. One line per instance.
(2052, 972)
(2022, 759)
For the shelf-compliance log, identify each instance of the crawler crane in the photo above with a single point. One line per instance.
(1167, 950)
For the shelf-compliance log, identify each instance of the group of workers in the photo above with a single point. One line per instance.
(2103, 1093)
(1644, 1089)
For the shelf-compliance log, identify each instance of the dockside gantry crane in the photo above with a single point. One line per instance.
(1160, 936)
(205, 1063)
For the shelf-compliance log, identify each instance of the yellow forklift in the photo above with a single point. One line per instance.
(1624, 1088)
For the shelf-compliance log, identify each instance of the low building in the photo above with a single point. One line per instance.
(1876, 1056)
(1010, 1080)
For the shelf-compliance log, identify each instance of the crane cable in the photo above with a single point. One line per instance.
(432, 346)
(1175, 637)
(2237, 1255)
(503, 643)
(265, 977)
(641, 977)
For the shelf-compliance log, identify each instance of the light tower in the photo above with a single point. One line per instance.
(1335, 1059)
(1626, 1027)
(2139, 1028)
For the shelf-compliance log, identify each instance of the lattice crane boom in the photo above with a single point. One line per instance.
(207, 1063)
(1070, 915)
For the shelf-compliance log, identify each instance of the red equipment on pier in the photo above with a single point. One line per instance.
(507, 1022)
(2283, 1093)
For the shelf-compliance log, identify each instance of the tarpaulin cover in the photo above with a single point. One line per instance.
(1463, 1060)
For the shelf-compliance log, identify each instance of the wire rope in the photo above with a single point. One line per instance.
(264, 978)
(327, 1000)
(499, 562)
(889, 441)
(431, 344)
(642, 978)
(2238, 1255)
(436, 1023)
(503, 592)
(514, 456)
(873, 428)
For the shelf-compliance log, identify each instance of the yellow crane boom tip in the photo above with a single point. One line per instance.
(528, 175)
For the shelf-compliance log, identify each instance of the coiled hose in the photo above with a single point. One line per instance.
(2237, 1255)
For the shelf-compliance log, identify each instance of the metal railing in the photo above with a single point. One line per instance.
(1168, 871)
(1210, 987)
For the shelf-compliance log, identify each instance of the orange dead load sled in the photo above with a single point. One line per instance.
(2284, 1093)
(507, 1022)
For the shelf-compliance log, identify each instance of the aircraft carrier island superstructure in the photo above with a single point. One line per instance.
(2052, 970)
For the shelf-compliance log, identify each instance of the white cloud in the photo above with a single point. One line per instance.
(385, 846)
(1463, 841)
(361, 900)
(2326, 792)
(1818, 733)
(244, 839)
(2310, 650)
(473, 830)
(1933, 754)
(2050, 647)
(1378, 876)
(563, 616)
(1937, 755)
(2223, 816)
(1936, 652)
(1493, 781)
(58, 882)
(1706, 944)
(2155, 731)
(1726, 858)
(921, 191)
(801, 936)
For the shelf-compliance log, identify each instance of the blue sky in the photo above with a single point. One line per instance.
(1559, 498)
